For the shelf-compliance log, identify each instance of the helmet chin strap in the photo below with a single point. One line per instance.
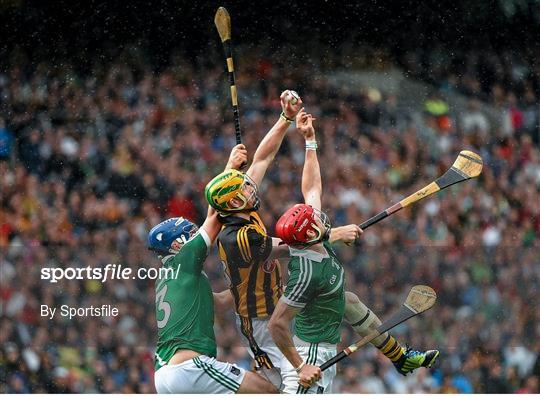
(257, 204)
(243, 199)
(322, 235)
(319, 233)
(314, 241)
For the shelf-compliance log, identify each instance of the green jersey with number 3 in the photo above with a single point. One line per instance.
(316, 284)
(185, 305)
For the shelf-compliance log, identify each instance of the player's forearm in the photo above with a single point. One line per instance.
(267, 150)
(335, 235)
(211, 225)
(311, 180)
(282, 337)
(228, 166)
(223, 300)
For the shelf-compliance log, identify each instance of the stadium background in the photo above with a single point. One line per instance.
(114, 116)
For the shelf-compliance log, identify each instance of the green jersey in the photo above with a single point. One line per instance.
(185, 304)
(316, 284)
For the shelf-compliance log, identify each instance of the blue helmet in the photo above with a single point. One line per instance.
(161, 236)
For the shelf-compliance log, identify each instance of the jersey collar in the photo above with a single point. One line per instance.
(237, 220)
(232, 219)
(309, 254)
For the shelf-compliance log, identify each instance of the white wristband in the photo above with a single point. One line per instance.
(311, 145)
(297, 369)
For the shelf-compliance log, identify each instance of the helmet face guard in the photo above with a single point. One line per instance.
(302, 226)
(229, 185)
(253, 196)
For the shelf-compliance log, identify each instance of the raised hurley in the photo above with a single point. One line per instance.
(466, 166)
(223, 25)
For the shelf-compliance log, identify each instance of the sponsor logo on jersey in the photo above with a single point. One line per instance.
(269, 266)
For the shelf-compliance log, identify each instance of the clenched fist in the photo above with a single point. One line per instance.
(347, 234)
(309, 374)
(238, 157)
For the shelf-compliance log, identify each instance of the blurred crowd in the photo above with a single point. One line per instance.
(90, 161)
(508, 80)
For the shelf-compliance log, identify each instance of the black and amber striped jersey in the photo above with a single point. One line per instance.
(255, 281)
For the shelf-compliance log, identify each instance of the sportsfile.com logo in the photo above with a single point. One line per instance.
(109, 272)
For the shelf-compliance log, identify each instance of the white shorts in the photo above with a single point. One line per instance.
(263, 339)
(202, 374)
(315, 354)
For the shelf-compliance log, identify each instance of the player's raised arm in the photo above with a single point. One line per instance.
(269, 146)
(223, 300)
(211, 225)
(312, 183)
(311, 175)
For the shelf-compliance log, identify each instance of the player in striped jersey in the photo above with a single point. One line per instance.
(315, 295)
(245, 248)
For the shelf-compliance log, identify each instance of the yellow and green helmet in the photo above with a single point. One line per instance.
(230, 184)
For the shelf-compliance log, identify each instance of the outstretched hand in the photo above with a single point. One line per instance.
(238, 157)
(304, 124)
(290, 104)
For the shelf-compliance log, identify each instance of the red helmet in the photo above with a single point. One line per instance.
(302, 225)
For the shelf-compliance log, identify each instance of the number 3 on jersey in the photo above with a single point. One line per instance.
(162, 306)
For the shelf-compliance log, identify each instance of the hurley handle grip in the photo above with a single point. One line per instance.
(373, 220)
